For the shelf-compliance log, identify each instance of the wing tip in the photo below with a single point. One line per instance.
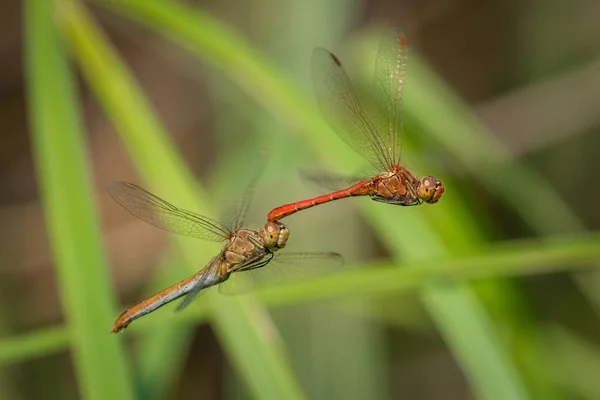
(335, 59)
(114, 187)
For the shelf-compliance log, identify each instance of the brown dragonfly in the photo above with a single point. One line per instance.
(244, 250)
(378, 138)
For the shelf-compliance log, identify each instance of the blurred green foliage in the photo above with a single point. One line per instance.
(502, 350)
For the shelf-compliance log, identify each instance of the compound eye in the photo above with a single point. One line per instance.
(284, 235)
(430, 189)
(270, 234)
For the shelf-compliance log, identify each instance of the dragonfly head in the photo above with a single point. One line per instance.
(430, 189)
(275, 235)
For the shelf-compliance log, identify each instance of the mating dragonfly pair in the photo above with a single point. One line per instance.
(377, 137)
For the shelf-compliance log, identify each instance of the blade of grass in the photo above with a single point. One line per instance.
(527, 257)
(155, 380)
(39, 343)
(62, 169)
(256, 354)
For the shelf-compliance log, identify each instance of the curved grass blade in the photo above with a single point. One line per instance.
(39, 343)
(61, 160)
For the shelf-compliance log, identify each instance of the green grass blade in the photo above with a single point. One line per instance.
(560, 254)
(256, 353)
(34, 344)
(476, 345)
(158, 351)
(64, 182)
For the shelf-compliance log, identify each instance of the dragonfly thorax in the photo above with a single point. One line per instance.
(240, 246)
(395, 187)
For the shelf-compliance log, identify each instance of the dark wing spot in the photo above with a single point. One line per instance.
(335, 59)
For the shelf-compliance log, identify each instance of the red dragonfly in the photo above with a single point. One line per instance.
(379, 138)
(245, 250)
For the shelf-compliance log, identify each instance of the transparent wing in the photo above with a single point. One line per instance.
(284, 267)
(235, 210)
(156, 211)
(343, 112)
(196, 292)
(243, 203)
(390, 73)
(242, 206)
(254, 170)
(245, 285)
(332, 182)
(206, 278)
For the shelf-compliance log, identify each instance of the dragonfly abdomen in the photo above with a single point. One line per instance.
(158, 300)
(363, 188)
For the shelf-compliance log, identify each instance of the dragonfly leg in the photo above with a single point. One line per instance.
(254, 265)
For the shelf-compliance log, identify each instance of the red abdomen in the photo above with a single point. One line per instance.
(362, 188)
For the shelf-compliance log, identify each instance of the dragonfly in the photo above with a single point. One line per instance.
(376, 136)
(244, 250)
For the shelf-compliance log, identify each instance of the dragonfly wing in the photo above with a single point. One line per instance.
(341, 109)
(390, 73)
(207, 278)
(244, 283)
(158, 212)
(332, 182)
(253, 170)
(243, 203)
(196, 292)
(242, 206)
(285, 267)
